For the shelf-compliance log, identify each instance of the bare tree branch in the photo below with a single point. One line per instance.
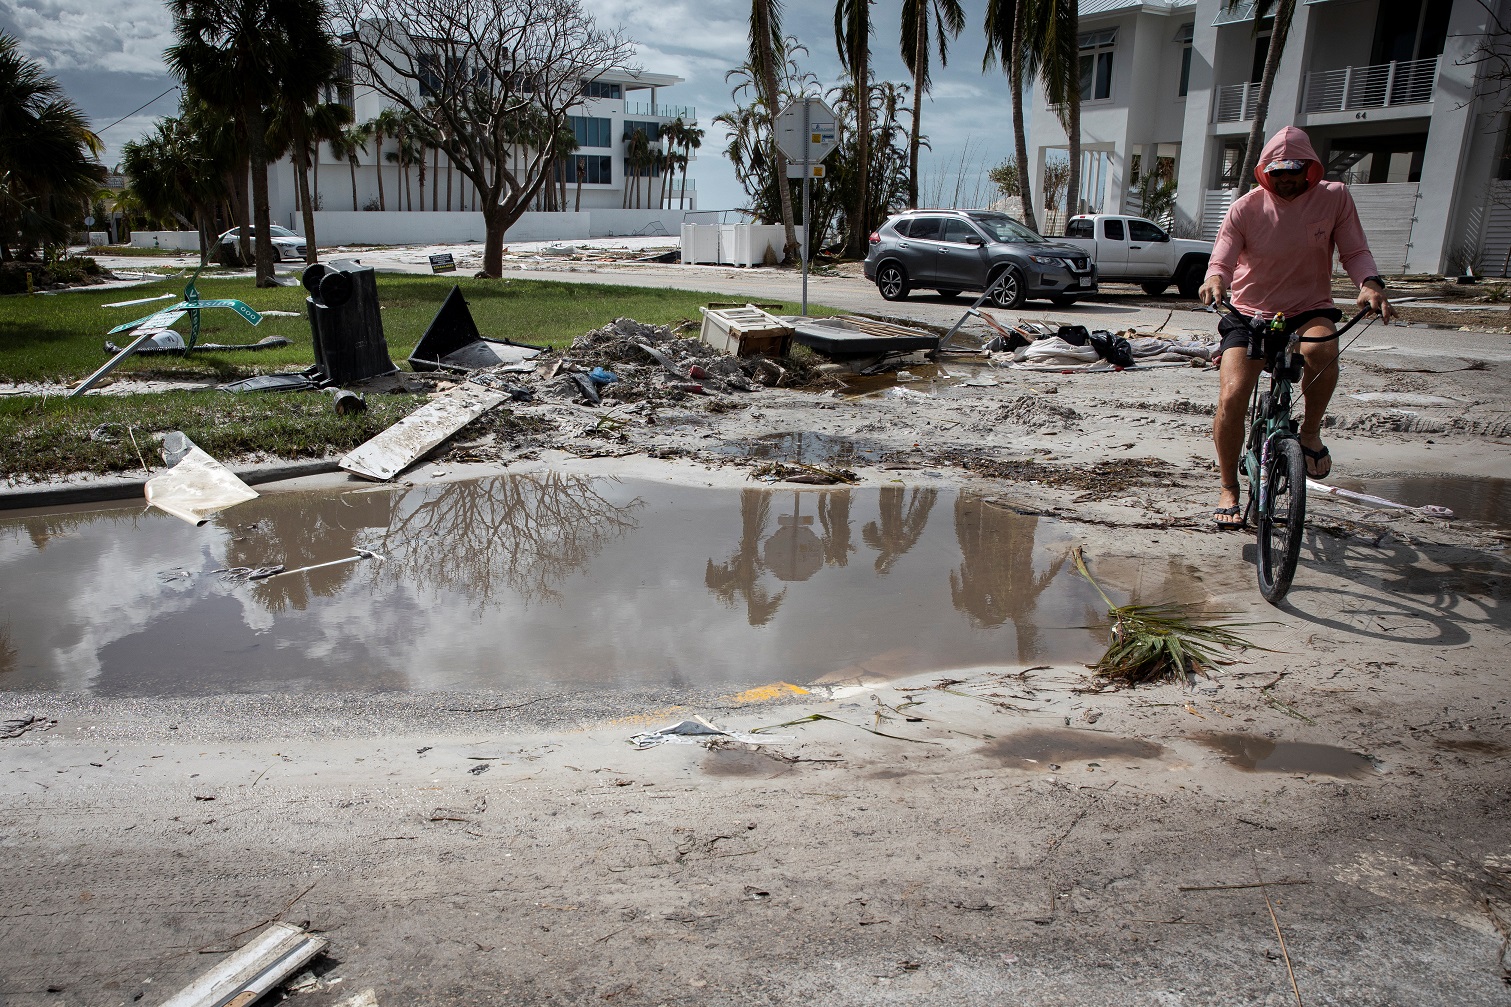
(490, 81)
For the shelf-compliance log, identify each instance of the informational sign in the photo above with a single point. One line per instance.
(806, 141)
(796, 171)
(442, 262)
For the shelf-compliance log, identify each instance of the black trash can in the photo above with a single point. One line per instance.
(345, 323)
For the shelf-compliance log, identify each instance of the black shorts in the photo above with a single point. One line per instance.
(1236, 333)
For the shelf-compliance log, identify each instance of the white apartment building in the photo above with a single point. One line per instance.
(1387, 90)
(442, 206)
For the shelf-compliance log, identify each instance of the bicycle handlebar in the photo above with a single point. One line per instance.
(1225, 306)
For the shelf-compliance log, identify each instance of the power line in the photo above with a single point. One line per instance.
(135, 111)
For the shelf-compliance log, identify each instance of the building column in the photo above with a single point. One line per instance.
(1193, 170)
(1460, 153)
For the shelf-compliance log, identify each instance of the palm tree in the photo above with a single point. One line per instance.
(691, 138)
(1283, 12)
(328, 123)
(637, 153)
(235, 53)
(48, 156)
(298, 129)
(1004, 30)
(351, 142)
(949, 22)
(852, 37)
(384, 124)
(768, 54)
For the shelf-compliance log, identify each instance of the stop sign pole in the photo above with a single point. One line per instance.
(806, 134)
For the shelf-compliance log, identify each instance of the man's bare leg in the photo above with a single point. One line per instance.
(1318, 382)
(1238, 376)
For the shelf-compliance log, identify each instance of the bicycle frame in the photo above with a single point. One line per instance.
(1270, 420)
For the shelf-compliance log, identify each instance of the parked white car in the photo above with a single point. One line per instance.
(1135, 250)
(288, 246)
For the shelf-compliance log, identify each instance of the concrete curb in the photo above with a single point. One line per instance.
(97, 491)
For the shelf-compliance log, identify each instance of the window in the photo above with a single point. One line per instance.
(428, 72)
(601, 89)
(959, 232)
(925, 228)
(1231, 164)
(592, 132)
(1096, 64)
(1142, 230)
(1001, 227)
(652, 130)
(1079, 229)
(1112, 230)
(1505, 166)
(591, 168)
(1184, 36)
(648, 169)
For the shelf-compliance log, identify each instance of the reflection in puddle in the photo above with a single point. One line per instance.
(1042, 748)
(804, 448)
(924, 378)
(1255, 754)
(1470, 499)
(531, 580)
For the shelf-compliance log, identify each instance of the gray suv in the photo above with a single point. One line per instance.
(953, 250)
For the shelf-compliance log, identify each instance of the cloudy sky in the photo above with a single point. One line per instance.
(108, 56)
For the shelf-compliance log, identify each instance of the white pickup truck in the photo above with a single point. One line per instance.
(1135, 250)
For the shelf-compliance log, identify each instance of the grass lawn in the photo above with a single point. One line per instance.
(95, 433)
(61, 337)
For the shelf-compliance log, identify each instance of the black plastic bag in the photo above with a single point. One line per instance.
(1116, 350)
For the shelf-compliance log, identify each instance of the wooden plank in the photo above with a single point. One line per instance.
(410, 439)
(251, 971)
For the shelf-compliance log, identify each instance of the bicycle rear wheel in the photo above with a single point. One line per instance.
(1280, 526)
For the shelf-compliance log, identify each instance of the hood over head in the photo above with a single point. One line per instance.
(1290, 144)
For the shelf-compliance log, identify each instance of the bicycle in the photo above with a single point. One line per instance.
(1272, 461)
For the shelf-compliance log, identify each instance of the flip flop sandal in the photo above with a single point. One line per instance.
(1222, 512)
(1317, 456)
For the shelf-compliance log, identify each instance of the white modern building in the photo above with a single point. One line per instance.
(1388, 91)
(436, 203)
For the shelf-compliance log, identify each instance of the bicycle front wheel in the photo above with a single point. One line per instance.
(1280, 525)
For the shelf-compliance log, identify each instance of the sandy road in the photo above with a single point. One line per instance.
(1014, 838)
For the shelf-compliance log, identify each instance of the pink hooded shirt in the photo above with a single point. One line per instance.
(1277, 254)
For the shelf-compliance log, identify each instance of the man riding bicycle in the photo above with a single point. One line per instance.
(1274, 253)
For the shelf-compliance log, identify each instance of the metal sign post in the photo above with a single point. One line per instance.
(805, 133)
(807, 184)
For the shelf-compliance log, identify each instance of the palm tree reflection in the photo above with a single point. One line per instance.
(834, 517)
(739, 578)
(524, 533)
(7, 651)
(996, 582)
(903, 513)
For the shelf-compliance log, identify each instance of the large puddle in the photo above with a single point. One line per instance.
(1470, 498)
(529, 581)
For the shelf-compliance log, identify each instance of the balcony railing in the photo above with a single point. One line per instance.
(1379, 86)
(687, 113)
(1234, 102)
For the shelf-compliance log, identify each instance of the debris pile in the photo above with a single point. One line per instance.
(629, 361)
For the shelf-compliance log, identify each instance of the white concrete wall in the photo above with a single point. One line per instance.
(343, 227)
(618, 223)
(183, 240)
